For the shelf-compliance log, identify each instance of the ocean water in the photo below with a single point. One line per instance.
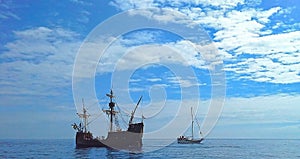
(209, 149)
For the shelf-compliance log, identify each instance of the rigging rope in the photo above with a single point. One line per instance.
(197, 123)
(124, 122)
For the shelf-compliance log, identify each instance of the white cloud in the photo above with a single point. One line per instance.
(277, 62)
(132, 4)
(154, 79)
(38, 62)
(265, 70)
(219, 3)
(183, 82)
(40, 43)
(272, 44)
(241, 34)
(246, 31)
(141, 37)
(120, 56)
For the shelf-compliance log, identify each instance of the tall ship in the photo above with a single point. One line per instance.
(190, 140)
(130, 139)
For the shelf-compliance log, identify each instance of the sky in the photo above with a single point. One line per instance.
(236, 62)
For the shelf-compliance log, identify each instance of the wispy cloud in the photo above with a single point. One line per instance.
(6, 10)
(263, 117)
(38, 63)
(142, 48)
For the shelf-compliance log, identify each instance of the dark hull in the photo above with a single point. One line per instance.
(189, 141)
(127, 140)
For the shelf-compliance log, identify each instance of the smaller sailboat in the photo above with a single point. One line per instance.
(190, 140)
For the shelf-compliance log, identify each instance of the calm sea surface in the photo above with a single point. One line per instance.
(209, 149)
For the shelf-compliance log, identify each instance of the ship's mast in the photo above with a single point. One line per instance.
(84, 116)
(111, 110)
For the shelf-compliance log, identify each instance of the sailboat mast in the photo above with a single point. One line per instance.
(192, 123)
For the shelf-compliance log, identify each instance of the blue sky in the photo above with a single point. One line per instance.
(257, 43)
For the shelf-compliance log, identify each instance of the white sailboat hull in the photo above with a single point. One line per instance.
(188, 141)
